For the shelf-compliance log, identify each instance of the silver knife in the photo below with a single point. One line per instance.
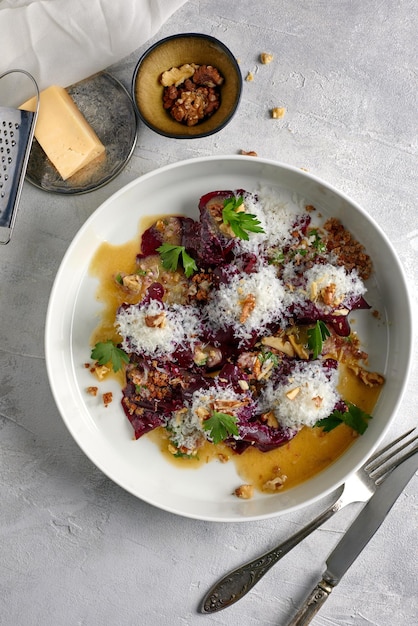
(357, 537)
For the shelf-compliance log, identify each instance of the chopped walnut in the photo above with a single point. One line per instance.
(298, 348)
(248, 306)
(100, 371)
(155, 321)
(293, 393)
(250, 77)
(279, 344)
(249, 153)
(243, 385)
(266, 58)
(208, 76)
(245, 492)
(270, 419)
(133, 283)
(278, 113)
(275, 483)
(224, 406)
(177, 75)
(317, 400)
(371, 379)
(92, 391)
(107, 398)
(195, 98)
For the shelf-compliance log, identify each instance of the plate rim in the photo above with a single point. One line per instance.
(407, 360)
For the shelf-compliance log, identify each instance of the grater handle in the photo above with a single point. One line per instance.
(13, 168)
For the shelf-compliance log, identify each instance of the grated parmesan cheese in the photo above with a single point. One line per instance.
(306, 396)
(322, 276)
(186, 426)
(181, 328)
(280, 211)
(271, 301)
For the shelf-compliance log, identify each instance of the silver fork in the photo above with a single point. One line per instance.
(359, 487)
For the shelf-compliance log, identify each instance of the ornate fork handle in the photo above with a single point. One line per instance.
(237, 583)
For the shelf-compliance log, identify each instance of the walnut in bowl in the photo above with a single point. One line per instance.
(187, 85)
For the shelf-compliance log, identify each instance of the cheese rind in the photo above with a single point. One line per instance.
(64, 134)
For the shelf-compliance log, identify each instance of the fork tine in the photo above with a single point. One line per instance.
(374, 462)
(378, 468)
(380, 476)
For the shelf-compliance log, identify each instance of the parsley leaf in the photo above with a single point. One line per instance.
(316, 337)
(106, 352)
(354, 417)
(170, 256)
(240, 222)
(221, 426)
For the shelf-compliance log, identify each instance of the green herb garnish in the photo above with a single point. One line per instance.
(268, 356)
(277, 258)
(354, 417)
(316, 337)
(184, 455)
(240, 222)
(317, 242)
(119, 279)
(170, 256)
(221, 426)
(106, 352)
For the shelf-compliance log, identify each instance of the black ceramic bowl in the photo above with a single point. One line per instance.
(175, 51)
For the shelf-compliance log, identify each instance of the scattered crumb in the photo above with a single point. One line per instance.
(100, 371)
(87, 366)
(223, 458)
(107, 398)
(376, 314)
(250, 153)
(275, 483)
(266, 57)
(92, 391)
(245, 492)
(309, 208)
(249, 77)
(278, 113)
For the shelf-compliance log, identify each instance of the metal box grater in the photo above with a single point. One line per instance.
(16, 135)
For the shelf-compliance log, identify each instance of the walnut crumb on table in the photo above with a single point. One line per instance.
(278, 113)
(266, 57)
(249, 153)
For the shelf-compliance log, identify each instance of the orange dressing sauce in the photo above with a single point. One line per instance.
(305, 455)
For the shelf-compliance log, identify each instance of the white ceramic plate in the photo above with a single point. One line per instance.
(105, 435)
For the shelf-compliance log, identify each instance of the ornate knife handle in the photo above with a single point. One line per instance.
(237, 583)
(312, 604)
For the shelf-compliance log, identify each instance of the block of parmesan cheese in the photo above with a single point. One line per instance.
(62, 131)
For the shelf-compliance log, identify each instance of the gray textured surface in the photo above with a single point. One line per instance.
(75, 548)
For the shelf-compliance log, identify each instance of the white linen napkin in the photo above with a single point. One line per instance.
(63, 41)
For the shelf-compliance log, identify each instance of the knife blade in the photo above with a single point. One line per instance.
(357, 537)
